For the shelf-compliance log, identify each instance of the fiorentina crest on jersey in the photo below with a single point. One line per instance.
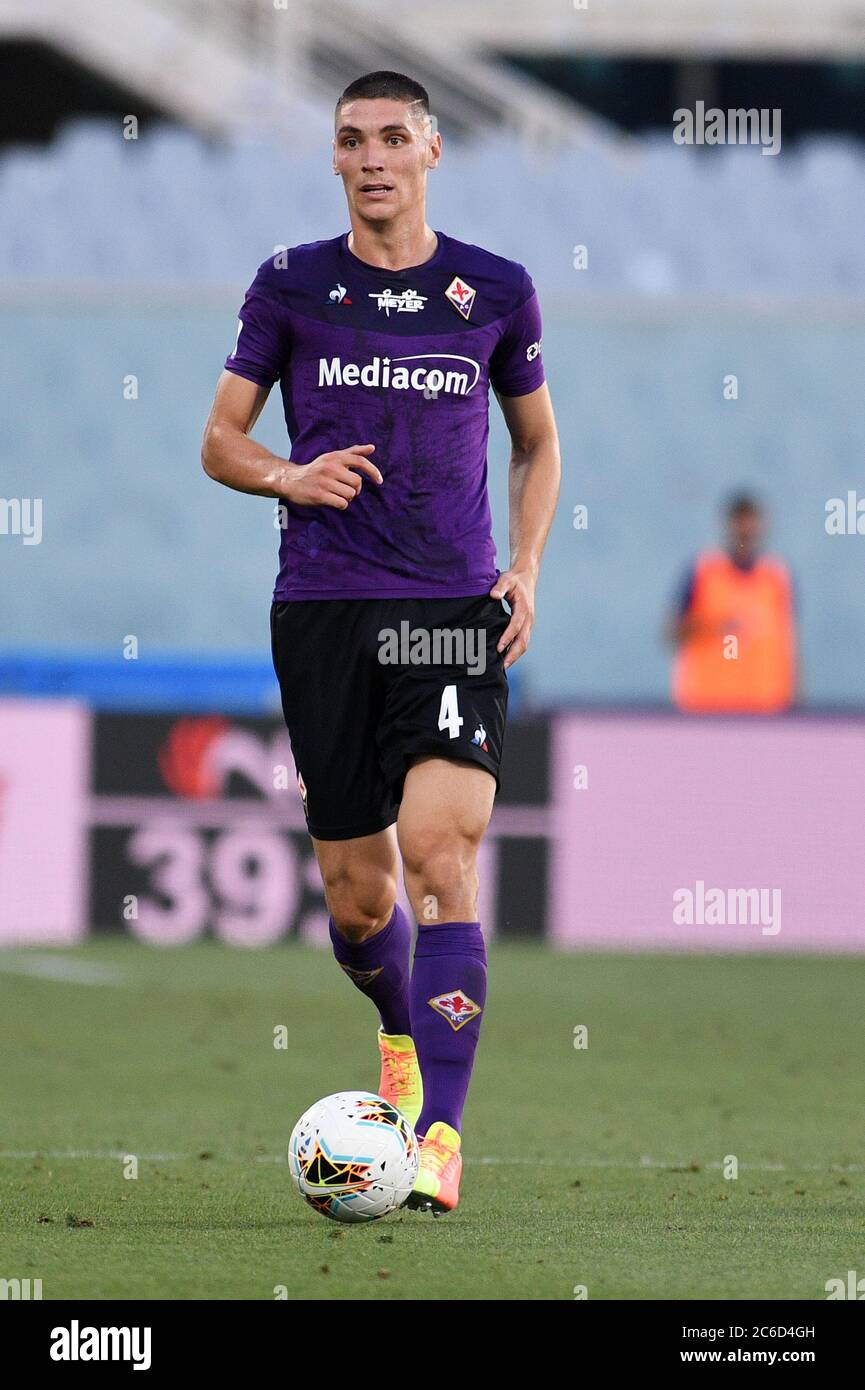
(456, 1007)
(461, 296)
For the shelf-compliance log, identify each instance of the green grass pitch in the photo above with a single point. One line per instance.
(598, 1167)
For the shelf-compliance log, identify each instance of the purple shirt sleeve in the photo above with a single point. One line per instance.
(516, 366)
(260, 349)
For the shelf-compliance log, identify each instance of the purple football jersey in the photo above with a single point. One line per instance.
(402, 360)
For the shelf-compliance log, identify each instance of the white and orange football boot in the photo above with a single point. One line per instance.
(400, 1081)
(437, 1186)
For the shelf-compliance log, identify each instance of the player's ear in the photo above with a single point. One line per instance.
(333, 157)
(434, 149)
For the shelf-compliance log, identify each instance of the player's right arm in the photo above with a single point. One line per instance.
(229, 456)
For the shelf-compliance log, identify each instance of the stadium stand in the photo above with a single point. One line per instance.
(133, 261)
(659, 219)
(128, 258)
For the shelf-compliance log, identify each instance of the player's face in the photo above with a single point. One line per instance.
(382, 150)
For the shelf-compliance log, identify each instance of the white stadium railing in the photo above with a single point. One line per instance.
(644, 28)
(239, 65)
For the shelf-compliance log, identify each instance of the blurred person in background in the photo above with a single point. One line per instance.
(734, 624)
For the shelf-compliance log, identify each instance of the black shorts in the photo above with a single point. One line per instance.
(369, 684)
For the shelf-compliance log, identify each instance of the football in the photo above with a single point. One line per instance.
(353, 1156)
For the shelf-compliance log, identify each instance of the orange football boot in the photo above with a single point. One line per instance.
(437, 1186)
(401, 1081)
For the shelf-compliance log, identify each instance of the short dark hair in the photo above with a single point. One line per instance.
(742, 504)
(390, 86)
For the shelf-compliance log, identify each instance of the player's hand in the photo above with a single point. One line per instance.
(333, 480)
(518, 587)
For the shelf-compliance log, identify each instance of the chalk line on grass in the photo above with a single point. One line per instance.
(61, 969)
(489, 1160)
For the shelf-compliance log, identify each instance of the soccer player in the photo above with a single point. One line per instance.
(390, 636)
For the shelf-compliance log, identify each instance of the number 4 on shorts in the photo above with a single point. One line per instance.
(449, 713)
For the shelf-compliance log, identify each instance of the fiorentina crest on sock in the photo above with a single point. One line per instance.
(361, 977)
(456, 1007)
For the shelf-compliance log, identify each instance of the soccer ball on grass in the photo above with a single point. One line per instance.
(353, 1156)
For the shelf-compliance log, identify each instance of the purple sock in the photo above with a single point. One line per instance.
(448, 993)
(379, 967)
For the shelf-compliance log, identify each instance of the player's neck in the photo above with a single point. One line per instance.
(393, 247)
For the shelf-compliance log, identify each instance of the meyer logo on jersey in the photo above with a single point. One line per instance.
(390, 373)
(409, 302)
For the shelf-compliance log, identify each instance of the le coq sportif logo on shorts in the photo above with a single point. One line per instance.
(421, 371)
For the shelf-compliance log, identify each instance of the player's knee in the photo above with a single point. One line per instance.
(360, 900)
(441, 874)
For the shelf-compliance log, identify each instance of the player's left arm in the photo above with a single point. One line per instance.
(533, 489)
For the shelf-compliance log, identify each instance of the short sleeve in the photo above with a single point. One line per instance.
(516, 365)
(685, 592)
(260, 348)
